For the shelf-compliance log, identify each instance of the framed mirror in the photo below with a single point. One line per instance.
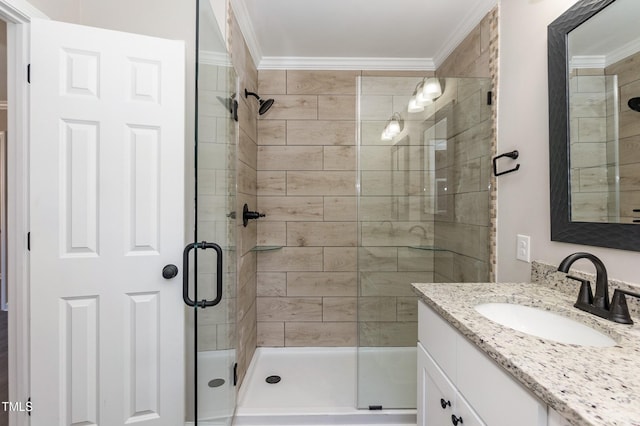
(594, 124)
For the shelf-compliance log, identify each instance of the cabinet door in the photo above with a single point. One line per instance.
(436, 395)
(464, 411)
(493, 393)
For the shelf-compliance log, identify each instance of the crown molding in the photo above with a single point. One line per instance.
(22, 9)
(587, 61)
(623, 52)
(477, 12)
(340, 63)
(214, 58)
(241, 13)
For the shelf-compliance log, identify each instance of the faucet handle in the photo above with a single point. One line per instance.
(619, 311)
(585, 296)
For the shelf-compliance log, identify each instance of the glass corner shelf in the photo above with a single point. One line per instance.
(266, 248)
(428, 248)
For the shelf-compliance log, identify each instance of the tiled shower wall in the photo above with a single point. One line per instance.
(593, 145)
(466, 230)
(307, 188)
(307, 171)
(246, 193)
(628, 73)
(308, 295)
(306, 184)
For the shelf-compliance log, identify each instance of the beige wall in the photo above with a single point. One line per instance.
(523, 201)
(3, 73)
(60, 10)
(246, 193)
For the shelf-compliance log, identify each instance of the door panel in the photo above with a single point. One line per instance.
(212, 354)
(107, 214)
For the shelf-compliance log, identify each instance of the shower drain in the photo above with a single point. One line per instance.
(272, 380)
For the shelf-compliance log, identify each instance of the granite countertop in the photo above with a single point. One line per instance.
(586, 385)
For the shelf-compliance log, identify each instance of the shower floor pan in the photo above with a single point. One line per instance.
(317, 386)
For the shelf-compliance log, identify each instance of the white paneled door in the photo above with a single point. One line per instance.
(107, 214)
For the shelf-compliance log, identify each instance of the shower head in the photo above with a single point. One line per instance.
(634, 104)
(265, 104)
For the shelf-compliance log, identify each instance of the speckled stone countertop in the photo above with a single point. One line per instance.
(586, 385)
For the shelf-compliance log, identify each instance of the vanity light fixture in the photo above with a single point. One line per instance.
(426, 92)
(393, 127)
(414, 105)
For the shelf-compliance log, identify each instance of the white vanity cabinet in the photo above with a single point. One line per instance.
(439, 403)
(456, 379)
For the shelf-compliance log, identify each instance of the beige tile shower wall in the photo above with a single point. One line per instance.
(246, 172)
(628, 72)
(465, 224)
(306, 185)
(589, 145)
(307, 172)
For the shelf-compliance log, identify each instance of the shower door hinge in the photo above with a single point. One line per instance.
(235, 374)
(28, 241)
(489, 97)
(29, 406)
(375, 407)
(29, 73)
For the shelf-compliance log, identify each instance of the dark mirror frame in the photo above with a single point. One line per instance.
(624, 236)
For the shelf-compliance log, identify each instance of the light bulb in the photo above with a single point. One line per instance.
(423, 100)
(414, 106)
(393, 127)
(431, 88)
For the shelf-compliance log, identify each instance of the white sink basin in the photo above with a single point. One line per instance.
(544, 324)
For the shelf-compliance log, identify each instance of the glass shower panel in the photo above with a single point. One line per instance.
(419, 201)
(213, 391)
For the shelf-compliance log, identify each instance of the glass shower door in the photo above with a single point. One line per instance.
(212, 256)
(423, 216)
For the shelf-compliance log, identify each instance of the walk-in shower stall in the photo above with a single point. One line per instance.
(423, 215)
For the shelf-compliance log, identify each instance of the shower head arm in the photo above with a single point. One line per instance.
(248, 93)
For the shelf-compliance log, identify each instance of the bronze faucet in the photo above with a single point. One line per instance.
(599, 305)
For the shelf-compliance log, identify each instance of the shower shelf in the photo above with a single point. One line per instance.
(266, 248)
(428, 248)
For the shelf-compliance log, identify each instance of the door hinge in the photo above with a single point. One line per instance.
(29, 406)
(29, 73)
(235, 374)
(29, 241)
(489, 97)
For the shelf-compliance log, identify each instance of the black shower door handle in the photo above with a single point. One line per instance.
(185, 274)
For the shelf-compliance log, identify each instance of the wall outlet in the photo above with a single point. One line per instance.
(523, 248)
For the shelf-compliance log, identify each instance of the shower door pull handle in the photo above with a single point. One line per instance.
(185, 277)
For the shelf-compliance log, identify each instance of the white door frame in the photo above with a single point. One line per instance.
(17, 14)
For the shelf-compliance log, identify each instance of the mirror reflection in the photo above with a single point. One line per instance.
(604, 113)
